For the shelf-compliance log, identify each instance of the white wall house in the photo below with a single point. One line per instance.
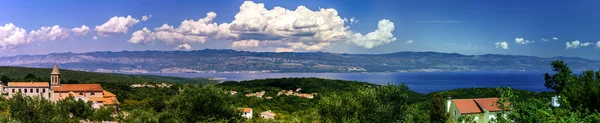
(247, 113)
(41, 89)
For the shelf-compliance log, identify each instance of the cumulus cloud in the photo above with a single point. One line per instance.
(245, 44)
(146, 17)
(95, 37)
(576, 44)
(48, 34)
(598, 44)
(254, 25)
(522, 41)
(409, 42)
(502, 45)
(83, 30)
(554, 38)
(586, 44)
(12, 36)
(143, 36)
(382, 35)
(284, 50)
(116, 25)
(184, 46)
(543, 39)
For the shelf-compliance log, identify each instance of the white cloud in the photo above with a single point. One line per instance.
(284, 50)
(554, 38)
(146, 17)
(116, 25)
(184, 46)
(598, 44)
(576, 44)
(48, 34)
(95, 37)
(502, 45)
(245, 44)
(11, 35)
(522, 41)
(543, 39)
(81, 31)
(143, 36)
(301, 29)
(382, 35)
(409, 42)
(586, 44)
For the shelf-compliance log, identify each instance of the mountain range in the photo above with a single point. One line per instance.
(213, 61)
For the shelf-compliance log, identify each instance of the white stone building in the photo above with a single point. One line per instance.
(55, 91)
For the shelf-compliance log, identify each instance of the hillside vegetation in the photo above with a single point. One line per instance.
(17, 73)
(334, 101)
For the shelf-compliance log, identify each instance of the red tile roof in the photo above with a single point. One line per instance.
(488, 104)
(466, 106)
(28, 84)
(470, 106)
(78, 87)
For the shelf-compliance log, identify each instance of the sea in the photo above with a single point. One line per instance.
(423, 82)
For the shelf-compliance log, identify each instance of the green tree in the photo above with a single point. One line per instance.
(563, 75)
(437, 112)
(5, 80)
(76, 108)
(207, 103)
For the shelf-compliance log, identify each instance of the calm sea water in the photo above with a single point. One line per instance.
(424, 82)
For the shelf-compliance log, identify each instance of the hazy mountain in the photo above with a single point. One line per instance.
(242, 61)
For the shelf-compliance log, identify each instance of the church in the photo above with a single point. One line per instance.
(55, 91)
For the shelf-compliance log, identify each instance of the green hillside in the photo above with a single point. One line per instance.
(20, 74)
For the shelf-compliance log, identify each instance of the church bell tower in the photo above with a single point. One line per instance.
(55, 76)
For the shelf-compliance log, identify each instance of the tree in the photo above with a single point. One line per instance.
(563, 76)
(367, 104)
(207, 103)
(77, 108)
(437, 112)
(5, 80)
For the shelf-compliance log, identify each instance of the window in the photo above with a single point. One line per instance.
(31, 90)
(25, 90)
(13, 90)
(81, 94)
(43, 90)
(19, 90)
(37, 90)
(92, 93)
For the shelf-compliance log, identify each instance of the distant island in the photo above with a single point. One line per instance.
(231, 61)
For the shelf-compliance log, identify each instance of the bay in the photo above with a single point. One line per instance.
(423, 82)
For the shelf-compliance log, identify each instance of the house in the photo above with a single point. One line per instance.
(136, 85)
(483, 110)
(55, 91)
(246, 112)
(269, 97)
(267, 115)
(555, 101)
(232, 92)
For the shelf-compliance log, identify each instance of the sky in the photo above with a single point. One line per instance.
(543, 28)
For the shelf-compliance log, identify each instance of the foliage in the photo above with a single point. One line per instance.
(437, 111)
(207, 103)
(43, 74)
(381, 104)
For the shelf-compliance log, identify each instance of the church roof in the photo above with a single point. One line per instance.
(28, 84)
(108, 94)
(55, 70)
(78, 87)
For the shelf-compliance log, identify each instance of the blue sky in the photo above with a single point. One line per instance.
(466, 26)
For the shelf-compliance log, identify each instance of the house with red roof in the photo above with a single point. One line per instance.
(483, 110)
(55, 91)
